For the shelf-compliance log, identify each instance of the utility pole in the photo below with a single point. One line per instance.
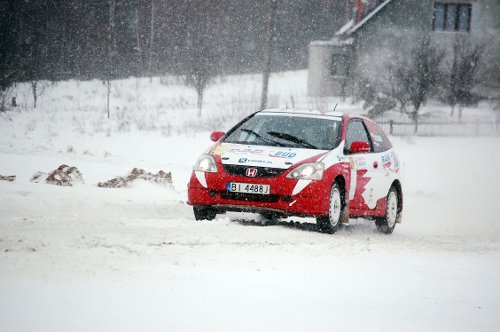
(267, 53)
(138, 41)
(151, 38)
(111, 51)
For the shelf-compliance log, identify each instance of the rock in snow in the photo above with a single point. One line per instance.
(136, 174)
(9, 178)
(64, 175)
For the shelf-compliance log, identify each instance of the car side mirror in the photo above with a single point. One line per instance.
(216, 135)
(359, 147)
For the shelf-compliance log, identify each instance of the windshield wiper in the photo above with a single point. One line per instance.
(249, 131)
(291, 138)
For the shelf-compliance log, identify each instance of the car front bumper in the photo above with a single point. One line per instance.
(312, 201)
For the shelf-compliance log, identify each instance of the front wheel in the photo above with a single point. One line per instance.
(332, 223)
(204, 213)
(388, 222)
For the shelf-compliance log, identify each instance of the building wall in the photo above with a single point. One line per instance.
(321, 82)
(389, 36)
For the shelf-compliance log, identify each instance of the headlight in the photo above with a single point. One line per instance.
(308, 171)
(206, 163)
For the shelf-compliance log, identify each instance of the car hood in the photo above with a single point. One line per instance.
(263, 156)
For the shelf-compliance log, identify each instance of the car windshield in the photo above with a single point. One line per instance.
(293, 131)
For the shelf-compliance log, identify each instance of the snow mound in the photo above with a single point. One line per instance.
(9, 178)
(64, 176)
(38, 177)
(138, 174)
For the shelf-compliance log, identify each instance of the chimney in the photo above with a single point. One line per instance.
(359, 10)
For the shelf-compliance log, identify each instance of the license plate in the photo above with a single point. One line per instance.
(248, 188)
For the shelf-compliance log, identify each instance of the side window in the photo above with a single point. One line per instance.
(452, 16)
(356, 131)
(339, 65)
(380, 141)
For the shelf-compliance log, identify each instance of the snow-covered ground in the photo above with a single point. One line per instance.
(85, 258)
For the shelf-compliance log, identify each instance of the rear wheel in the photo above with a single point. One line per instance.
(332, 223)
(388, 222)
(204, 213)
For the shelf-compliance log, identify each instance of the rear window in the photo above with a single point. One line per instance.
(380, 141)
(285, 130)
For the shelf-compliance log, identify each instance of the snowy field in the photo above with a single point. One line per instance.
(85, 258)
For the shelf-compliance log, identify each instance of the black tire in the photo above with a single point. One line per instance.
(333, 222)
(204, 213)
(387, 224)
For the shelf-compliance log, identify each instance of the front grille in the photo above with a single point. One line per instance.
(250, 197)
(262, 172)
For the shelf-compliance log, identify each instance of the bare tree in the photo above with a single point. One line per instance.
(382, 92)
(4, 92)
(30, 63)
(394, 89)
(201, 57)
(37, 89)
(462, 73)
(419, 76)
(201, 68)
(6, 81)
(8, 37)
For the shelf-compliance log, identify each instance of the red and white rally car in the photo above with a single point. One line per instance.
(330, 166)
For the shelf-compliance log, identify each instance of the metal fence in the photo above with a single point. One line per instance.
(476, 128)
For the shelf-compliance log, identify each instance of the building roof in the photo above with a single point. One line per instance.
(345, 27)
(335, 41)
(348, 29)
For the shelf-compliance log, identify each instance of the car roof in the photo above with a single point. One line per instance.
(315, 112)
(311, 112)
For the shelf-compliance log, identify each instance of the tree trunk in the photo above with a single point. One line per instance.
(460, 109)
(343, 88)
(415, 120)
(78, 94)
(200, 101)
(34, 91)
(108, 87)
(402, 107)
(267, 55)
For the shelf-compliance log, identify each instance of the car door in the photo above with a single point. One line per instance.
(385, 160)
(363, 167)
